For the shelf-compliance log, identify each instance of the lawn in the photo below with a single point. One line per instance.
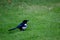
(43, 16)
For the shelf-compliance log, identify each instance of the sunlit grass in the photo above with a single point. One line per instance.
(43, 16)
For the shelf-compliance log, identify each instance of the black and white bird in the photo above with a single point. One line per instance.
(22, 26)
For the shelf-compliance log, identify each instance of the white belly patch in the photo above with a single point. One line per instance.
(24, 27)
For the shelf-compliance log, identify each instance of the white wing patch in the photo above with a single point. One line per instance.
(25, 24)
(24, 27)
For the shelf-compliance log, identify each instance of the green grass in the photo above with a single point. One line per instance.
(43, 16)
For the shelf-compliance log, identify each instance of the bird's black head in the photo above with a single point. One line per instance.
(25, 21)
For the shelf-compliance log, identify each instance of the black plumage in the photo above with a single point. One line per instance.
(22, 26)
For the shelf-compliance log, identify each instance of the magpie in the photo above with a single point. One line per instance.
(22, 26)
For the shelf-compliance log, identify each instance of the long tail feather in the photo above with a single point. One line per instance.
(11, 29)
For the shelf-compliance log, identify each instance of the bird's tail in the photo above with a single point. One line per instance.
(11, 29)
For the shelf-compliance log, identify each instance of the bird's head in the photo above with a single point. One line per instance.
(25, 21)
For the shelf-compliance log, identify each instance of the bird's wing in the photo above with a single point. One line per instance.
(20, 25)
